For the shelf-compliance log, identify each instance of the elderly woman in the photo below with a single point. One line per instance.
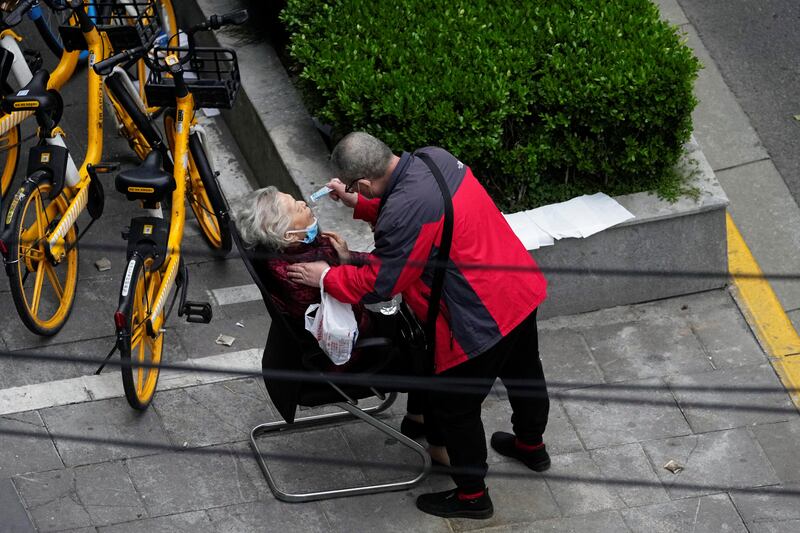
(288, 230)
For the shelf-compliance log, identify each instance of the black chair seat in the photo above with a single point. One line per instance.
(146, 182)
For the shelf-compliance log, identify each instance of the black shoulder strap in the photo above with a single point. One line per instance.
(444, 254)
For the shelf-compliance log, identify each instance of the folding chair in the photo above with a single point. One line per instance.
(289, 348)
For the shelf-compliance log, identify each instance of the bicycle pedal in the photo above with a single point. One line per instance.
(33, 58)
(105, 168)
(197, 312)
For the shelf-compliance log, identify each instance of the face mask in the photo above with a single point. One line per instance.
(311, 232)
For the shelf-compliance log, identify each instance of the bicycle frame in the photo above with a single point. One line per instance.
(183, 119)
(78, 192)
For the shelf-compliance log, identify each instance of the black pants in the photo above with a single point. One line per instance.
(454, 417)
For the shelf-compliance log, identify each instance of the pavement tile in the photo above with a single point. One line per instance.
(566, 359)
(559, 435)
(52, 500)
(603, 522)
(312, 463)
(92, 316)
(20, 454)
(215, 413)
(709, 513)
(785, 526)
(646, 348)
(606, 416)
(724, 333)
(769, 506)
(183, 481)
(711, 462)
(107, 493)
(104, 419)
(582, 492)
(727, 407)
(193, 522)
(269, 515)
(369, 444)
(518, 495)
(389, 512)
(779, 442)
(15, 372)
(15, 519)
(630, 462)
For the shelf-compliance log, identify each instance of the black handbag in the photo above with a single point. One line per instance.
(419, 340)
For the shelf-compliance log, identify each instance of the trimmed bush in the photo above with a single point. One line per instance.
(544, 99)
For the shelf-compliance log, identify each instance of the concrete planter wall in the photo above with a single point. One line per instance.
(618, 266)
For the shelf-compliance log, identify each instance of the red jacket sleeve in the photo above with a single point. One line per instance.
(366, 209)
(398, 261)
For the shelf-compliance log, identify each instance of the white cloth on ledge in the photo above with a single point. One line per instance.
(579, 217)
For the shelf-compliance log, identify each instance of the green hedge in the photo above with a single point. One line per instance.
(544, 99)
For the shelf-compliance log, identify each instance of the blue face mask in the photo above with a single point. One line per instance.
(311, 232)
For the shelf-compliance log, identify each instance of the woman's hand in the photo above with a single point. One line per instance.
(340, 245)
(307, 273)
(350, 199)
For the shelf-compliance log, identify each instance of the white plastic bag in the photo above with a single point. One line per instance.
(334, 326)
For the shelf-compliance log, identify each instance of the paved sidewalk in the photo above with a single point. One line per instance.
(624, 402)
(597, 432)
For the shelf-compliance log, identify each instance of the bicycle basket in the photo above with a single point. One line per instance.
(211, 74)
(127, 23)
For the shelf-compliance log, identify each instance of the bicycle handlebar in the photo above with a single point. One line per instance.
(104, 67)
(15, 17)
(215, 22)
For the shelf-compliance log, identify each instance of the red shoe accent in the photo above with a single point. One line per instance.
(473, 496)
(518, 444)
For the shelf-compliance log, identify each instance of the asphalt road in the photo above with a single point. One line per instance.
(755, 44)
(90, 329)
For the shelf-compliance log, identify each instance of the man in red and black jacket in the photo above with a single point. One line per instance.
(486, 327)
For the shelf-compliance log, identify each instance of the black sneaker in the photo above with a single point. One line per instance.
(506, 444)
(449, 504)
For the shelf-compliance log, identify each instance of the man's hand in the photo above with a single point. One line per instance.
(340, 245)
(350, 199)
(307, 273)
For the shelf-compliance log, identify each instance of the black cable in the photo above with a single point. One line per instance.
(202, 251)
(391, 466)
(404, 383)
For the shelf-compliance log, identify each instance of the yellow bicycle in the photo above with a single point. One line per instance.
(16, 71)
(40, 243)
(155, 268)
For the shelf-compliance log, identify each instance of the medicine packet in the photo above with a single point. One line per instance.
(320, 193)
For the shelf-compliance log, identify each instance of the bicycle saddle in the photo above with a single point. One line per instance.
(34, 96)
(146, 182)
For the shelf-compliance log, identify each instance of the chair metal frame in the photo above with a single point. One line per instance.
(350, 410)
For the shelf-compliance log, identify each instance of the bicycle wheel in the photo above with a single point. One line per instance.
(9, 158)
(138, 294)
(43, 293)
(203, 192)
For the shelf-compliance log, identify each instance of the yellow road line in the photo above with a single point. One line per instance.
(764, 312)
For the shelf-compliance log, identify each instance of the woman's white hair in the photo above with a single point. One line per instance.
(261, 219)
